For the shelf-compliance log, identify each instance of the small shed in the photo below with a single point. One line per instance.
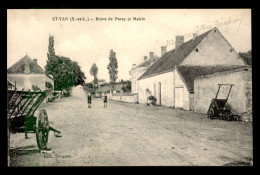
(240, 99)
(184, 82)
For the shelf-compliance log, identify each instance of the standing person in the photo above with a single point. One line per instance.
(105, 100)
(89, 100)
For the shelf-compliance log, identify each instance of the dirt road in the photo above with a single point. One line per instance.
(125, 134)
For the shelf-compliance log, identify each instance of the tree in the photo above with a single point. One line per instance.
(80, 76)
(51, 50)
(61, 68)
(52, 63)
(94, 72)
(247, 57)
(112, 68)
(65, 72)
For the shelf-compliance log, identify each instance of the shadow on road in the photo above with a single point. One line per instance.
(25, 150)
(248, 162)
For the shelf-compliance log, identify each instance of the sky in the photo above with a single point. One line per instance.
(90, 41)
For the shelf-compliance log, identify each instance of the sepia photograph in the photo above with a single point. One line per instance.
(129, 87)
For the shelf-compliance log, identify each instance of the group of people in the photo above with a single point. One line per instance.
(104, 99)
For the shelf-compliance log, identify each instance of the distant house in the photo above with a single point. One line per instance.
(27, 74)
(171, 78)
(10, 85)
(138, 70)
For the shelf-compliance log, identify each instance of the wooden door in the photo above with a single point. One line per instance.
(159, 93)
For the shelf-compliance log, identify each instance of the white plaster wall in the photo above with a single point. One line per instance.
(166, 80)
(27, 80)
(116, 97)
(135, 74)
(213, 50)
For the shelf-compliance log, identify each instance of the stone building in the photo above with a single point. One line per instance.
(27, 74)
(171, 78)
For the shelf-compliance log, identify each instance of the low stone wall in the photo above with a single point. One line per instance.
(130, 98)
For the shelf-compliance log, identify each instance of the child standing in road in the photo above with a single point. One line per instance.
(105, 100)
(89, 100)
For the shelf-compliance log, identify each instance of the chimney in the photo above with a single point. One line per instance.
(26, 66)
(151, 55)
(179, 41)
(145, 58)
(163, 50)
(35, 60)
(194, 36)
(134, 66)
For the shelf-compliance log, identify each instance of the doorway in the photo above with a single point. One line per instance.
(159, 93)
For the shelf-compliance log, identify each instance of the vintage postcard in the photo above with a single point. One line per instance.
(129, 87)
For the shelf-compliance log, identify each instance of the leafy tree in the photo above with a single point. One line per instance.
(124, 88)
(112, 68)
(51, 50)
(247, 57)
(51, 67)
(128, 86)
(79, 74)
(90, 85)
(94, 72)
(48, 85)
(65, 72)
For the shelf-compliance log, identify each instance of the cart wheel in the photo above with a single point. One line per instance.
(211, 113)
(42, 129)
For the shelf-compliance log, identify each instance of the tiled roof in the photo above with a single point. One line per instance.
(148, 62)
(189, 73)
(173, 57)
(19, 66)
(10, 83)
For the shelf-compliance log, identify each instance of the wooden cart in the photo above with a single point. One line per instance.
(219, 108)
(23, 116)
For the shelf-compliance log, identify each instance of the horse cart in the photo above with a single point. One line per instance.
(23, 116)
(219, 108)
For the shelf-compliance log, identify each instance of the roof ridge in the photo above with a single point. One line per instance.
(18, 67)
(174, 56)
(189, 72)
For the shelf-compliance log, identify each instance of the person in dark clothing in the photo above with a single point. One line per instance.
(89, 100)
(105, 100)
